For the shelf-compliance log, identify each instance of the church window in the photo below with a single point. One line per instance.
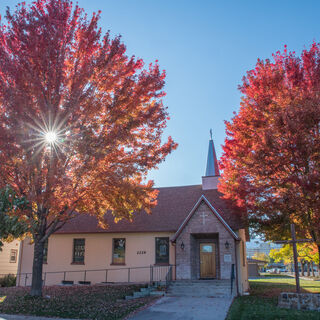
(162, 250)
(119, 250)
(45, 252)
(78, 250)
(13, 255)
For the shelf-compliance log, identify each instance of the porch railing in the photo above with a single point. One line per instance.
(169, 277)
(151, 274)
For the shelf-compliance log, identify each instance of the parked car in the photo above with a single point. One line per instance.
(273, 270)
(277, 270)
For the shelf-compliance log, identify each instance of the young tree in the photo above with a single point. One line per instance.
(10, 226)
(307, 254)
(271, 159)
(80, 122)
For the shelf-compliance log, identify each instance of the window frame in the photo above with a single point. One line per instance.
(156, 256)
(73, 251)
(15, 255)
(124, 258)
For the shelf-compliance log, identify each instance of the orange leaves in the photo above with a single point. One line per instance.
(57, 73)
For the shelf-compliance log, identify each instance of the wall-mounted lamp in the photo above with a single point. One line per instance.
(227, 245)
(182, 245)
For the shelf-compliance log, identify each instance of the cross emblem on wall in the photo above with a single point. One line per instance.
(203, 216)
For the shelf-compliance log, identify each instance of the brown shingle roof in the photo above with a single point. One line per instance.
(174, 205)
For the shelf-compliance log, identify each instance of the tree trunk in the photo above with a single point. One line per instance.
(308, 269)
(36, 286)
(302, 269)
(319, 260)
(312, 268)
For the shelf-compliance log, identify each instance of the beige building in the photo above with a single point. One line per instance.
(9, 258)
(192, 233)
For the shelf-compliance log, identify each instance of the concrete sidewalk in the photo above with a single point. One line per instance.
(186, 308)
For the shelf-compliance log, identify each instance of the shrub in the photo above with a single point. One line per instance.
(8, 281)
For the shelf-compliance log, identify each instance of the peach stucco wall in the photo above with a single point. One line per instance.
(98, 256)
(5, 265)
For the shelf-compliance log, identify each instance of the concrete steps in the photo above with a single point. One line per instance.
(145, 292)
(190, 288)
(201, 288)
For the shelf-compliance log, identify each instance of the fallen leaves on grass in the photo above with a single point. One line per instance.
(86, 302)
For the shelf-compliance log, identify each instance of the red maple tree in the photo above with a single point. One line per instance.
(271, 156)
(80, 121)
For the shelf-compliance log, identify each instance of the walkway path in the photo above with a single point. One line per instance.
(186, 308)
(16, 317)
(191, 300)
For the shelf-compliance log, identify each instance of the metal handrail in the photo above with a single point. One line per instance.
(156, 273)
(169, 277)
(232, 276)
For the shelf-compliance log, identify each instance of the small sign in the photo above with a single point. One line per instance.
(227, 258)
(141, 252)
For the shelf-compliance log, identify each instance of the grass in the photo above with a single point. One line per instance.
(81, 302)
(263, 300)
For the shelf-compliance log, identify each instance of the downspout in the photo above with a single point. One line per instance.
(237, 269)
(174, 244)
(20, 261)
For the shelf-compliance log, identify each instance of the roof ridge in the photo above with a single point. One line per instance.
(191, 185)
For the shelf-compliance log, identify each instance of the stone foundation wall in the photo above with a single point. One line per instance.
(300, 301)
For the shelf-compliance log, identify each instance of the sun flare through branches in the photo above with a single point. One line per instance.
(50, 137)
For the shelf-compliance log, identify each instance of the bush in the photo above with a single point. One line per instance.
(8, 281)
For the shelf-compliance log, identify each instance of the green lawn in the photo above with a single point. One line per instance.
(263, 300)
(81, 302)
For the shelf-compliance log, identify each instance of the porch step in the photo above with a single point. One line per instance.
(201, 288)
(144, 292)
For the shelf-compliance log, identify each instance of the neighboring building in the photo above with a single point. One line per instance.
(191, 229)
(9, 257)
(258, 247)
(255, 266)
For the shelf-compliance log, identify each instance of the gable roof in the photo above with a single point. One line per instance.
(214, 211)
(174, 205)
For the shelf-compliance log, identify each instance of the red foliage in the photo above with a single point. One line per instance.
(271, 159)
(59, 74)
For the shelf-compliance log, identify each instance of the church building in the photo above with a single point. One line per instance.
(192, 234)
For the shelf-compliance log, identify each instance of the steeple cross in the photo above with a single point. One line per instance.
(211, 134)
(203, 216)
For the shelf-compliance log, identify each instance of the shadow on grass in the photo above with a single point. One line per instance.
(282, 284)
(268, 275)
(267, 289)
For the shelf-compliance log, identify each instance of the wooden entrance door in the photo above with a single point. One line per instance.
(207, 260)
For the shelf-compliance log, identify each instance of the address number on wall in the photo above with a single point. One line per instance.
(141, 252)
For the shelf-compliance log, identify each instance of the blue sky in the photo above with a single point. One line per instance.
(206, 47)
